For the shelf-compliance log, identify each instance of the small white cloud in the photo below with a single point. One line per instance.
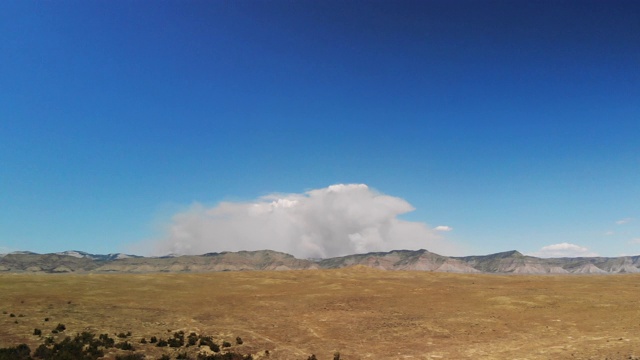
(609, 233)
(443, 228)
(635, 241)
(564, 250)
(624, 221)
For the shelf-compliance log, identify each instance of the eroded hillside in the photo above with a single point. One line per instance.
(510, 262)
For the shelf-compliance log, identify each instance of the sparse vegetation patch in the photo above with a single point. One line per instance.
(85, 346)
(361, 314)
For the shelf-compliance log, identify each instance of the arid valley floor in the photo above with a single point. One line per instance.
(360, 312)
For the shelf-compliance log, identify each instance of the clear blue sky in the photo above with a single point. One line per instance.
(516, 123)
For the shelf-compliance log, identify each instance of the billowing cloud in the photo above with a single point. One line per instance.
(442, 228)
(624, 221)
(333, 221)
(564, 250)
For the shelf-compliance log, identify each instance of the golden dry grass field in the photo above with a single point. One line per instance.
(361, 313)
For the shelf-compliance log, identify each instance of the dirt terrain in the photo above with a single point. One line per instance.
(360, 312)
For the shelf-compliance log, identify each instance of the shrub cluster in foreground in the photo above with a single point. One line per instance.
(86, 346)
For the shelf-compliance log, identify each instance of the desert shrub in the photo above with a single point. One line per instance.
(46, 319)
(182, 355)
(21, 315)
(85, 337)
(122, 335)
(12, 315)
(48, 340)
(94, 352)
(125, 345)
(162, 343)
(68, 345)
(226, 344)
(336, 356)
(43, 352)
(208, 341)
(153, 340)
(61, 327)
(175, 342)
(239, 340)
(225, 356)
(165, 357)
(81, 347)
(106, 341)
(54, 331)
(75, 349)
(37, 332)
(20, 352)
(4, 312)
(134, 356)
(312, 357)
(192, 339)
(143, 341)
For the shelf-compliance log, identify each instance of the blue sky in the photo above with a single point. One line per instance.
(516, 124)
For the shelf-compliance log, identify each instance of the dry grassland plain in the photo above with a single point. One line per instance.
(359, 312)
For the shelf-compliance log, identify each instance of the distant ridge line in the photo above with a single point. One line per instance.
(508, 262)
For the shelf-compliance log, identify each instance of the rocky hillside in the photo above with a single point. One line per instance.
(225, 261)
(511, 262)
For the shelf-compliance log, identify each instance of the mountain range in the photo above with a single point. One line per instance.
(510, 262)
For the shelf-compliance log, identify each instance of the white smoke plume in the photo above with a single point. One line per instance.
(333, 221)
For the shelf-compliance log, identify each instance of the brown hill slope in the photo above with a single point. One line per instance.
(510, 262)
